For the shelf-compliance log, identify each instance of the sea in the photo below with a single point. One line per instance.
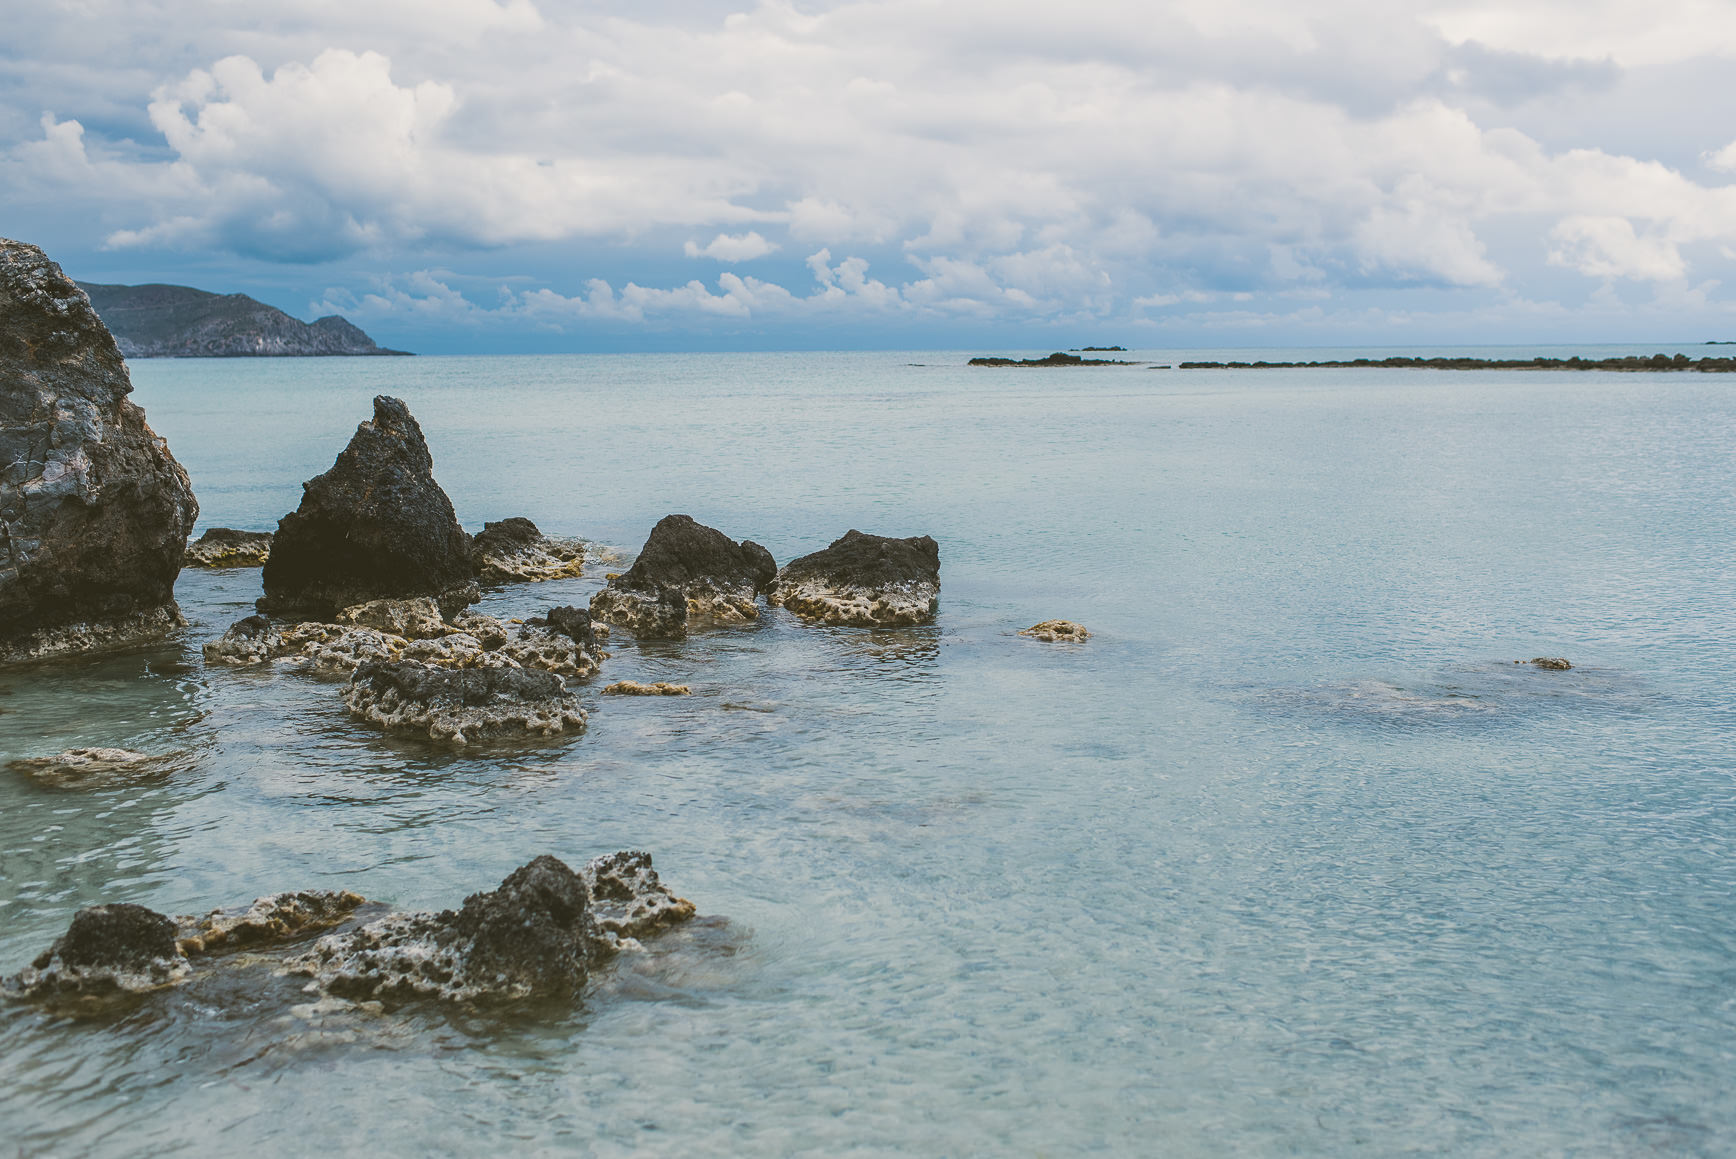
(1291, 857)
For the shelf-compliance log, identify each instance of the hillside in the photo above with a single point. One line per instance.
(157, 321)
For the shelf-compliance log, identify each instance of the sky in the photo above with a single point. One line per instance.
(527, 175)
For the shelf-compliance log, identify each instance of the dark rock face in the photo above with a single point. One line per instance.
(459, 705)
(686, 572)
(533, 932)
(863, 580)
(515, 551)
(158, 321)
(108, 949)
(375, 526)
(227, 547)
(94, 511)
(1058, 358)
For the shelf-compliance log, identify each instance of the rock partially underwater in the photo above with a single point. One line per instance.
(540, 934)
(461, 705)
(86, 765)
(868, 581)
(227, 547)
(375, 526)
(1057, 632)
(515, 551)
(95, 510)
(1551, 663)
(687, 574)
(634, 688)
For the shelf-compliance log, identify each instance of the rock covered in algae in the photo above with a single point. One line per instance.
(634, 688)
(375, 526)
(95, 509)
(227, 547)
(108, 949)
(462, 705)
(868, 581)
(686, 574)
(536, 936)
(1552, 663)
(1057, 632)
(515, 551)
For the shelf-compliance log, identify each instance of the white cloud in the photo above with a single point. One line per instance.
(725, 248)
(1608, 247)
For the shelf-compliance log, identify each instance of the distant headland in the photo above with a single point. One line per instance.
(158, 321)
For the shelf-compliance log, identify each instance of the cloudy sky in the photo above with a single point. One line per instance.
(688, 174)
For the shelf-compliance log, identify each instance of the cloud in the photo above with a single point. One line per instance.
(1608, 247)
(724, 248)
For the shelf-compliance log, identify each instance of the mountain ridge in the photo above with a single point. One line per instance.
(158, 320)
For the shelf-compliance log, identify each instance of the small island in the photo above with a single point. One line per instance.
(1629, 365)
(160, 321)
(1055, 359)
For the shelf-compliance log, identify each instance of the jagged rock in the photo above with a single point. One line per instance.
(514, 551)
(1552, 663)
(108, 949)
(634, 688)
(537, 936)
(80, 766)
(416, 619)
(686, 573)
(1057, 632)
(375, 526)
(94, 511)
(227, 547)
(324, 649)
(460, 705)
(867, 581)
(279, 917)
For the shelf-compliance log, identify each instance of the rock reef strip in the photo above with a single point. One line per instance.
(94, 510)
(1057, 632)
(1627, 365)
(686, 575)
(227, 547)
(375, 526)
(515, 551)
(1552, 663)
(462, 705)
(1056, 359)
(868, 581)
(634, 688)
(85, 765)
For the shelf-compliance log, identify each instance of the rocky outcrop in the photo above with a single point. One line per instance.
(1057, 632)
(94, 511)
(1056, 359)
(272, 920)
(462, 705)
(538, 935)
(158, 321)
(375, 526)
(108, 949)
(686, 575)
(84, 766)
(227, 547)
(1552, 663)
(634, 688)
(514, 551)
(867, 581)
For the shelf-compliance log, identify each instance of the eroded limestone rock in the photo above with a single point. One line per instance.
(1552, 663)
(634, 688)
(227, 547)
(413, 619)
(868, 581)
(462, 705)
(1057, 632)
(83, 766)
(375, 526)
(278, 917)
(687, 574)
(94, 511)
(321, 649)
(515, 551)
(108, 949)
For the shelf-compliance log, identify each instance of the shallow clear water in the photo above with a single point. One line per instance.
(1290, 858)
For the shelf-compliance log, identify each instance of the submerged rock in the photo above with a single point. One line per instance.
(108, 949)
(867, 581)
(514, 551)
(538, 935)
(686, 573)
(461, 705)
(227, 547)
(375, 526)
(1552, 663)
(634, 688)
(1057, 632)
(95, 511)
(79, 766)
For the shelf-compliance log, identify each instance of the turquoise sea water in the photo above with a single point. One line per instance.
(1290, 858)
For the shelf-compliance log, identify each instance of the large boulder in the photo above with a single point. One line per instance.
(93, 509)
(867, 581)
(375, 526)
(687, 573)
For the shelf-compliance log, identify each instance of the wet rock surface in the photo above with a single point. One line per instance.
(687, 574)
(538, 935)
(276, 918)
(515, 551)
(634, 688)
(375, 526)
(108, 949)
(863, 580)
(86, 765)
(94, 509)
(227, 547)
(462, 705)
(1057, 632)
(1552, 663)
